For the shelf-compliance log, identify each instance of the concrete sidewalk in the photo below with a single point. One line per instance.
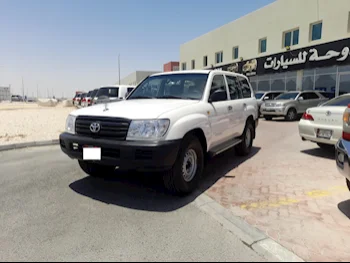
(290, 190)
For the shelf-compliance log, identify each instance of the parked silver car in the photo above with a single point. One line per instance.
(291, 104)
(263, 96)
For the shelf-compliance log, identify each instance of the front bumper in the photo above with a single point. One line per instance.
(127, 155)
(342, 150)
(273, 111)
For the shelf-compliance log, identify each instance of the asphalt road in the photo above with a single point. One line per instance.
(50, 211)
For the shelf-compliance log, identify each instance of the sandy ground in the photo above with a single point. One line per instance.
(21, 122)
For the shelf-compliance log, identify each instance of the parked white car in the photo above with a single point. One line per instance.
(112, 93)
(324, 124)
(170, 123)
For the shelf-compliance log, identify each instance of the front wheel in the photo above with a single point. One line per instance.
(96, 170)
(291, 115)
(186, 173)
(245, 147)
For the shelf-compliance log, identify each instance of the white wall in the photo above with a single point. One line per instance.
(136, 77)
(270, 22)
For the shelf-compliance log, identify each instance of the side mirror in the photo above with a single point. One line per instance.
(267, 98)
(218, 95)
(300, 99)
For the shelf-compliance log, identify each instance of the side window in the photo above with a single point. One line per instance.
(218, 84)
(274, 95)
(233, 87)
(246, 91)
(310, 96)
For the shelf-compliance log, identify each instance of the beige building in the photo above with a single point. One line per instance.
(287, 45)
(136, 77)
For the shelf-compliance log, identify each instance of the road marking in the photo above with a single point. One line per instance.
(290, 201)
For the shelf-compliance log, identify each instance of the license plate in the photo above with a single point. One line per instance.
(92, 154)
(324, 134)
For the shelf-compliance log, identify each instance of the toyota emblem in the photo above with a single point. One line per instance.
(95, 127)
(328, 113)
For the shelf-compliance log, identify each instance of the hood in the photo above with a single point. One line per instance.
(135, 109)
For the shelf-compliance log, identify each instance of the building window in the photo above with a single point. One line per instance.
(235, 53)
(193, 64)
(205, 61)
(183, 66)
(291, 38)
(262, 45)
(316, 31)
(219, 57)
(349, 23)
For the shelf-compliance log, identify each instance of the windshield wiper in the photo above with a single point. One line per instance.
(170, 97)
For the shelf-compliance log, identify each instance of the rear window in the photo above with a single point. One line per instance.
(89, 94)
(108, 92)
(339, 101)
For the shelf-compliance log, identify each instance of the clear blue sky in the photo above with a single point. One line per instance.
(71, 45)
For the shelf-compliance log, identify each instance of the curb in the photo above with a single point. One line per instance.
(248, 234)
(27, 145)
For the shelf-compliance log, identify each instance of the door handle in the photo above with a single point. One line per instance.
(229, 108)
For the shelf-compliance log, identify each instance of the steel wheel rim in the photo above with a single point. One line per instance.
(189, 165)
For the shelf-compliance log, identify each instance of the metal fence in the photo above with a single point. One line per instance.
(5, 93)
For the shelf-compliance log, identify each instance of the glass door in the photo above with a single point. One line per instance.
(343, 83)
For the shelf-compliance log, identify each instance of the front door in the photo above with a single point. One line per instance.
(219, 116)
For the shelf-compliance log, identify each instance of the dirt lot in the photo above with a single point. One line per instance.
(289, 189)
(21, 122)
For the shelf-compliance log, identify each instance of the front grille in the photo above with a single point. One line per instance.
(269, 104)
(110, 128)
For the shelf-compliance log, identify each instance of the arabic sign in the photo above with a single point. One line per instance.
(312, 55)
(325, 55)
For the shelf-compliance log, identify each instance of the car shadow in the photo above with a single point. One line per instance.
(344, 207)
(145, 191)
(318, 152)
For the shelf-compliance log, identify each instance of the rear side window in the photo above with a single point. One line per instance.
(109, 92)
(234, 88)
(245, 87)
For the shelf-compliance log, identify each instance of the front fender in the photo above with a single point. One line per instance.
(188, 123)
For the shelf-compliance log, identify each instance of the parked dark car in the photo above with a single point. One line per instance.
(16, 98)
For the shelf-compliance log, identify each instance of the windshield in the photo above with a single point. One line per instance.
(188, 86)
(110, 92)
(93, 94)
(339, 101)
(258, 96)
(287, 96)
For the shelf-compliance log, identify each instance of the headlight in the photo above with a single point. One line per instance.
(148, 129)
(70, 124)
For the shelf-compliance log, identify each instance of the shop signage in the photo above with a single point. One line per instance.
(325, 55)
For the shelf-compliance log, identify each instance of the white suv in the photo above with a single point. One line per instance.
(170, 122)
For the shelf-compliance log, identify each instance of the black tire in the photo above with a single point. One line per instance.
(348, 184)
(96, 170)
(327, 147)
(292, 115)
(268, 118)
(245, 147)
(175, 179)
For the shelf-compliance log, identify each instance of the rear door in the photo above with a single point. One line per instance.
(219, 118)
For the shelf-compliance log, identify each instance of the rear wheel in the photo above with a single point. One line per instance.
(96, 170)
(268, 118)
(245, 147)
(187, 171)
(292, 115)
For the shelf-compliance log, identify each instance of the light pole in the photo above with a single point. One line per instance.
(119, 67)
